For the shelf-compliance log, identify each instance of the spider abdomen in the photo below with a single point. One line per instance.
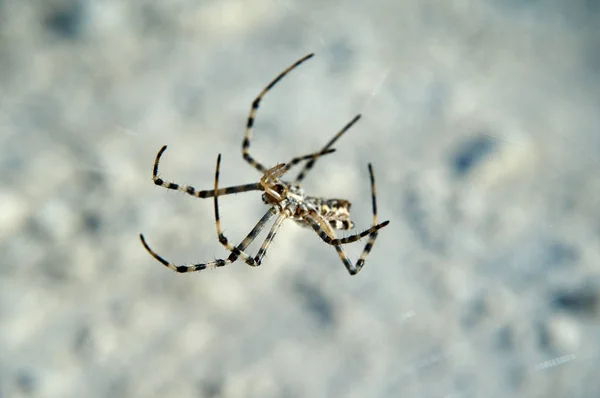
(335, 211)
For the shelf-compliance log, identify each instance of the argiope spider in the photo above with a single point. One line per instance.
(287, 200)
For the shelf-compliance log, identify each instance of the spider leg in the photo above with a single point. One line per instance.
(253, 110)
(353, 269)
(342, 241)
(323, 226)
(193, 191)
(235, 251)
(182, 268)
(309, 165)
(282, 168)
(238, 251)
(178, 268)
(252, 234)
(222, 191)
(269, 239)
(310, 158)
(373, 236)
(325, 233)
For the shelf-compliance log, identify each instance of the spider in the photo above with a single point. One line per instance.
(286, 200)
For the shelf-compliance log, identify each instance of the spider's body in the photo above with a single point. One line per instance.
(287, 200)
(290, 196)
(335, 211)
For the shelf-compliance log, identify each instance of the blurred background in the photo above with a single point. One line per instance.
(481, 119)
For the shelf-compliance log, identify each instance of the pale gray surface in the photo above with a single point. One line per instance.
(482, 122)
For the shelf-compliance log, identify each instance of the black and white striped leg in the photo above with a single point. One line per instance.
(193, 191)
(254, 233)
(235, 252)
(254, 108)
(310, 157)
(238, 251)
(269, 239)
(182, 268)
(222, 239)
(222, 191)
(345, 240)
(373, 236)
(372, 233)
(309, 165)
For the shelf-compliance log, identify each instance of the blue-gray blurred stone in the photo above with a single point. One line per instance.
(480, 119)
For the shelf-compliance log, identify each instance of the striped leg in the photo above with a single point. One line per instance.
(179, 268)
(182, 268)
(192, 267)
(271, 175)
(193, 191)
(372, 232)
(310, 157)
(254, 108)
(254, 233)
(217, 263)
(269, 239)
(309, 165)
(223, 191)
(341, 241)
(238, 251)
(235, 251)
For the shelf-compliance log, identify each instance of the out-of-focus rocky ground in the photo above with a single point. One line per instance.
(481, 119)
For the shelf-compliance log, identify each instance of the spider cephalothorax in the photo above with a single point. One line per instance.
(286, 200)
